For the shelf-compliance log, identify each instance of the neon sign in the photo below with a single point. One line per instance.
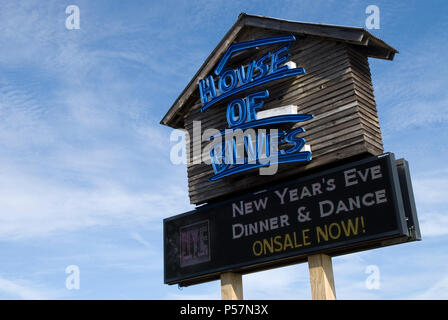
(246, 150)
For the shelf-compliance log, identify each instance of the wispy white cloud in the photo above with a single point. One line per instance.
(437, 291)
(410, 91)
(34, 206)
(139, 238)
(431, 197)
(431, 190)
(16, 289)
(74, 147)
(434, 224)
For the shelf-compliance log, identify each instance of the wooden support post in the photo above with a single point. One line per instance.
(321, 277)
(231, 286)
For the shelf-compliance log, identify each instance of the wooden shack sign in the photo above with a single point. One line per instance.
(288, 75)
(363, 205)
(284, 153)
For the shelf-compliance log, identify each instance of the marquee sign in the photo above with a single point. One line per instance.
(269, 87)
(358, 206)
(261, 148)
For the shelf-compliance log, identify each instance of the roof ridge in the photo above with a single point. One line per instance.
(353, 35)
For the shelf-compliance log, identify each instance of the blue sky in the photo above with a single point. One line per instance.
(85, 176)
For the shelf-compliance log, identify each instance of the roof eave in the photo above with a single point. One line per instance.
(377, 48)
(228, 37)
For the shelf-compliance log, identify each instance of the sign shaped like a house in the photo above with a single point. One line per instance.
(285, 153)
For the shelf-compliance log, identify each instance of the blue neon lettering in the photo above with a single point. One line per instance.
(207, 87)
(263, 69)
(268, 121)
(247, 45)
(232, 120)
(252, 152)
(228, 158)
(272, 77)
(278, 137)
(238, 158)
(218, 159)
(227, 75)
(252, 105)
(246, 76)
(276, 60)
(297, 142)
(263, 146)
(229, 152)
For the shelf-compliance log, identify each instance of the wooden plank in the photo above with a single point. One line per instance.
(333, 151)
(300, 82)
(318, 60)
(312, 138)
(321, 277)
(337, 151)
(373, 128)
(351, 35)
(332, 133)
(343, 151)
(305, 95)
(337, 140)
(320, 122)
(373, 149)
(360, 64)
(367, 110)
(327, 125)
(365, 92)
(352, 149)
(231, 286)
(324, 79)
(325, 134)
(373, 143)
(334, 117)
(325, 131)
(218, 118)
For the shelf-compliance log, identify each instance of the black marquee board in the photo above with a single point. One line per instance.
(362, 205)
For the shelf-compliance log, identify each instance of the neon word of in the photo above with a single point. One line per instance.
(262, 148)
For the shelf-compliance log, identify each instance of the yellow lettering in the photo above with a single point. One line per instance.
(305, 237)
(287, 242)
(296, 245)
(279, 246)
(338, 232)
(320, 233)
(268, 245)
(260, 246)
(349, 228)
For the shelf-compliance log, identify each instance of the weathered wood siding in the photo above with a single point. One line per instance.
(336, 89)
